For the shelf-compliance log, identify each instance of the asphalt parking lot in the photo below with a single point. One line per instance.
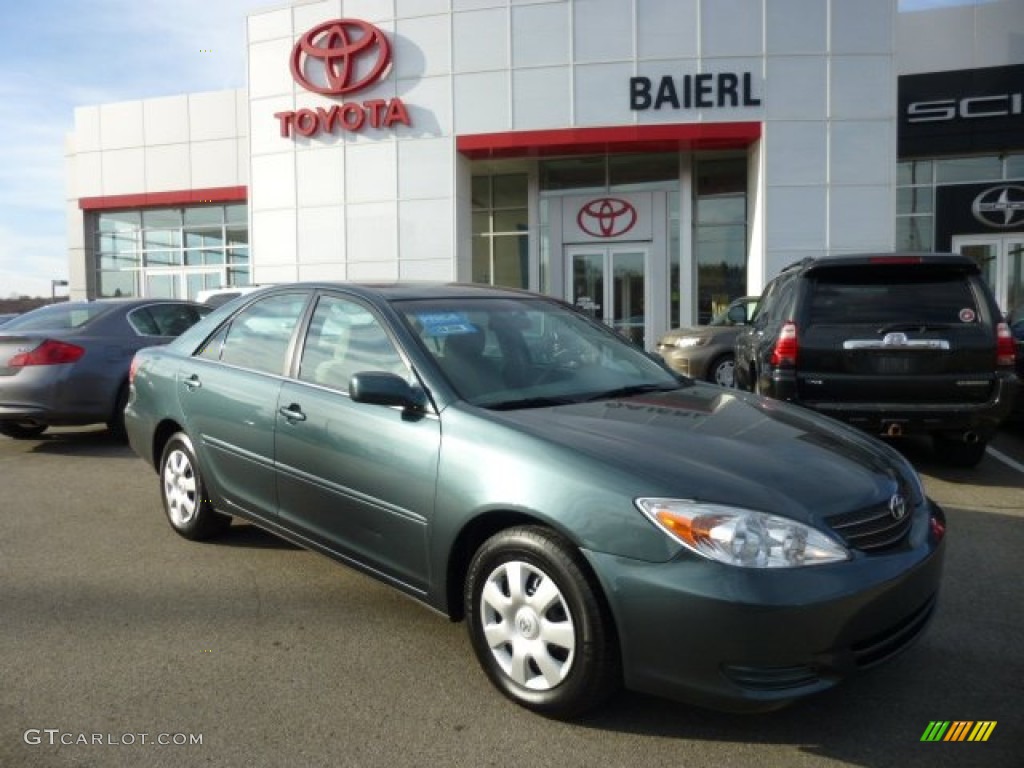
(124, 645)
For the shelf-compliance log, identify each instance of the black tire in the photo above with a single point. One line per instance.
(551, 646)
(188, 508)
(723, 371)
(957, 453)
(22, 430)
(116, 422)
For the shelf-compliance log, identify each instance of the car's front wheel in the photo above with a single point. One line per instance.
(723, 371)
(539, 624)
(187, 505)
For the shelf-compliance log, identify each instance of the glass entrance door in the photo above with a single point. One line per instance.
(1001, 258)
(610, 284)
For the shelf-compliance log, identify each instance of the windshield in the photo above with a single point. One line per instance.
(511, 353)
(57, 317)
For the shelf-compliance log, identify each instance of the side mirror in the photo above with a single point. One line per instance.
(379, 388)
(737, 315)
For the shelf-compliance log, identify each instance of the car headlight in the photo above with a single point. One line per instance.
(742, 537)
(691, 341)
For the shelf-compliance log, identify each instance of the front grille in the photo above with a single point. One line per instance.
(872, 529)
(877, 648)
(771, 678)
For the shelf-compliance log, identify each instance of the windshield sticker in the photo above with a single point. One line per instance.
(966, 315)
(437, 324)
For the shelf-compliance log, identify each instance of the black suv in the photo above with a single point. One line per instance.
(892, 343)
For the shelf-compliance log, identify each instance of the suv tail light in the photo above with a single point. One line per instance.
(1006, 354)
(50, 352)
(785, 350)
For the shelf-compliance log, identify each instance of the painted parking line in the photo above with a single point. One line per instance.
(999, 455)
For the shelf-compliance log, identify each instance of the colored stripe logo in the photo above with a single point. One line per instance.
(958, 730)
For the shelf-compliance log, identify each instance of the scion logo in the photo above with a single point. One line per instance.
(336, 58)
(606, 217)
(1000, 207)
(353, 55)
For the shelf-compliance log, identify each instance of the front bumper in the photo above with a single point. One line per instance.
(689, 361)
(744, 640)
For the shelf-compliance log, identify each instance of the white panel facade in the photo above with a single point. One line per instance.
(965, 37)
(166, 121)
(540, 35)
(796, 27)
(821, 74)
(665, 29)
(480, 41)
(121, 125)
(392, 201)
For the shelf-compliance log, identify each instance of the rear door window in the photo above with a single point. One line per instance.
(259, 336)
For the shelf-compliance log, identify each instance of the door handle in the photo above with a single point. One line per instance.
(292, 413)
(193, 383)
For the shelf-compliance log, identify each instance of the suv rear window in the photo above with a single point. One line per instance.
(879, 297)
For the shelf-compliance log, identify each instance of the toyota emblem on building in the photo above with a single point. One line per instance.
(1001, 207)
(349, 55)
(607, 217)
(897, 506)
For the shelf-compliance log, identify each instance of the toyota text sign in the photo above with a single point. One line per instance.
(339, 58)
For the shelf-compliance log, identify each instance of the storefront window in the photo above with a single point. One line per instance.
(117, 284)
(913, 172)
(914, 233)
(674, 256)
(575, 173)
(911, 200)
(171, 251)
(500, 230)
(968, 169)
(1014, 167)
(720, 236)
(630, 171)
(918, 181)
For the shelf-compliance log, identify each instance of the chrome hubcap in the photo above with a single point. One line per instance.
(180, 489)
(527, 625)
(725, 374)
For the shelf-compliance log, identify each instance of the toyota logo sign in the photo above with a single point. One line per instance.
(336, 58)
(606, 217)
(350, 53)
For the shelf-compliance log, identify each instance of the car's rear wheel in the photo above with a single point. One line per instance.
(186, 503)
(22, 430)
(539, 625)
(959, 453)
(723, 371)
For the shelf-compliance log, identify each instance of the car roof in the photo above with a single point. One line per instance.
(957, 260)
(410, 290)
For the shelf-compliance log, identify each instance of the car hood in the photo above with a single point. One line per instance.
(705, 443)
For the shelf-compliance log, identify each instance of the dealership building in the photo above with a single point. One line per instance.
(645, 160)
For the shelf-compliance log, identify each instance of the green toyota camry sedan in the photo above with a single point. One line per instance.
(596, 519)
